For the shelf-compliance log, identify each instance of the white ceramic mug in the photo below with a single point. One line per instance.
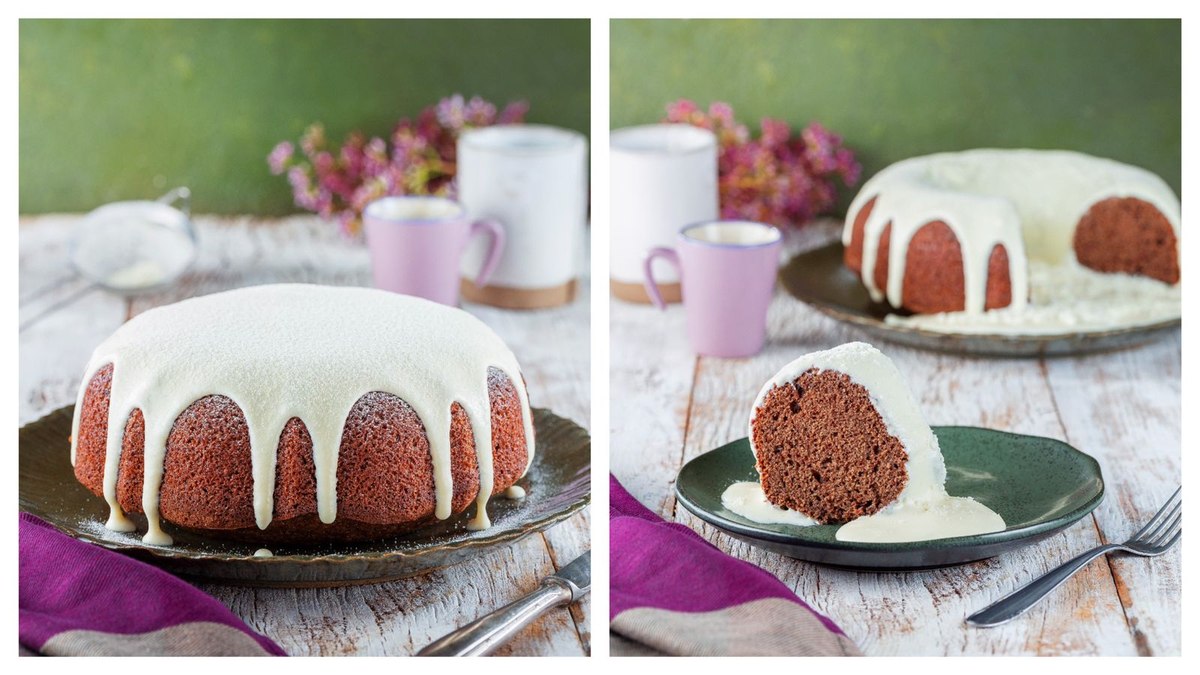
(533, 180)
(664, 176)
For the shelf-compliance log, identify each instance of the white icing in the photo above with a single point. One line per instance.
(922, 521)
(311, 352)
(916, 514)
(263, 553)
(1028, 200)
(514, 492)
(748, 500)
(1065, 298)
(867, 366)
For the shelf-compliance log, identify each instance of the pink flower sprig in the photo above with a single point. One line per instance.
(777, 178)
(418, 159)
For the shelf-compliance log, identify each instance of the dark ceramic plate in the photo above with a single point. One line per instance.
(558, 485)
(819, 278)
(1038, 485)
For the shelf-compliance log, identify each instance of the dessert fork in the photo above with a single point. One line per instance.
(1156, 538)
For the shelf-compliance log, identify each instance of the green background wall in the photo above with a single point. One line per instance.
(127, 109)
(895, 89)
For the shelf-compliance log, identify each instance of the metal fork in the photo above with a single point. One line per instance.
(1156, 538)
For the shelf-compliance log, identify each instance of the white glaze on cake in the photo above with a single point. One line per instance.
(923, 510)
(1028, 200)
(311, 352)
(867, 366)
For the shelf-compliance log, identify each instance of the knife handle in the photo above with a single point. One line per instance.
(482, 636)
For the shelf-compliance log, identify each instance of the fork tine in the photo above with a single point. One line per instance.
(1162, 525)
(1172, 528)
(1158, 515)
(1167, 546)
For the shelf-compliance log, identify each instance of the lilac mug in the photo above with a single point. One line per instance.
(416, 243)
(727, 269)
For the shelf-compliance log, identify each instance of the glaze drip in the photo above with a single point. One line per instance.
(1029, 201)
(294, 350)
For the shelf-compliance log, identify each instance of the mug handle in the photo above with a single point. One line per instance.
(670, 256)
(495, 251)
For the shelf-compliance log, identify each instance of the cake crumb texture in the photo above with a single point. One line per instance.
(1128, 235)
(825, 451)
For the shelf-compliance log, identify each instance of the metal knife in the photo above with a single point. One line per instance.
(482, 636)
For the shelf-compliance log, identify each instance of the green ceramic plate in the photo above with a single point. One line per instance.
(558, 485)
(819, 278)
(1038, 485)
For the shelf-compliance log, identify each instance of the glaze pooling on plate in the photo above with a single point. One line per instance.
(923, 510)
(1029, 201)
(1065, 298)
(747, 499)
(295, 350)
(939, 518)
(1038, 485)
(901, 522)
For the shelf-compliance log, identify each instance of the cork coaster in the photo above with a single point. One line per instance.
(623, 290)
(519, 298)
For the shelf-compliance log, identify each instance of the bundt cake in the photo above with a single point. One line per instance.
(957, 231)
(298, 413)
(838, 438)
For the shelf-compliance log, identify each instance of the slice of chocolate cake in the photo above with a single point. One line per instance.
(837, 435)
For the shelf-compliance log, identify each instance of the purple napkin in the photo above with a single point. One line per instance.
(674, 593)
(78, 599)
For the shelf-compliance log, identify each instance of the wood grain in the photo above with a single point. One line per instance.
(63, 319)
(1122, 408)
(1131, 423)
(651, 381)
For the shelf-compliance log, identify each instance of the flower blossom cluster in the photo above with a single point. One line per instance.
(418, 159)
(778, 178)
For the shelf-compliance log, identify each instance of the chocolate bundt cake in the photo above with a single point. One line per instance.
(955, 232)
(838, 438)
(297, 413)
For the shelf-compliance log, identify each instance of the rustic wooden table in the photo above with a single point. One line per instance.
(62, 319)
(1122, 408)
